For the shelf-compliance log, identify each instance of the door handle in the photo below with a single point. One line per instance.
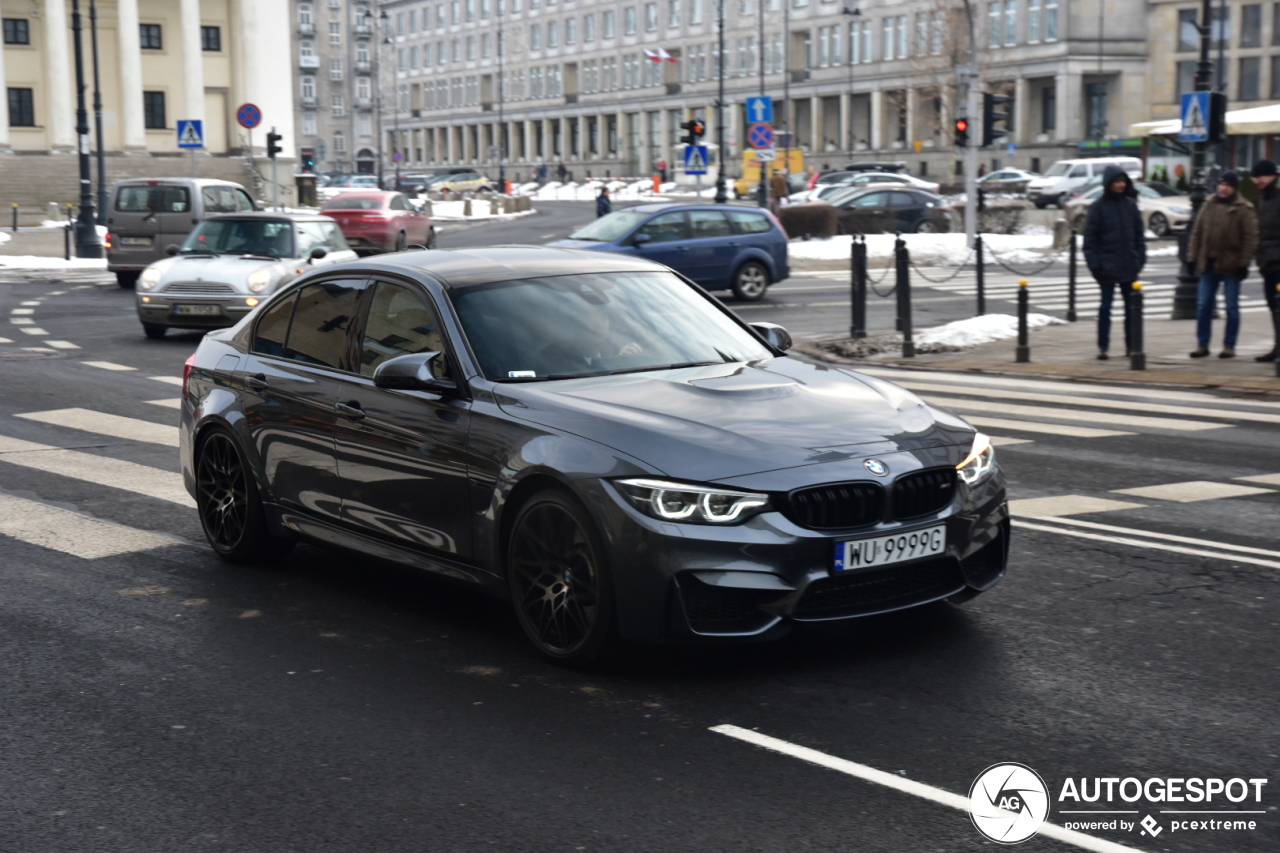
(351, 412)
(257, 382)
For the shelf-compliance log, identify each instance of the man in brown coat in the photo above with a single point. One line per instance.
(778, 189)
(1223, 242)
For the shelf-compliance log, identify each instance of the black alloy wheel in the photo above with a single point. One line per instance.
(559, 584)
(127, 280)
(926, 227)
(229, 504)
(400, 242)
(431, 239)
(750, 282)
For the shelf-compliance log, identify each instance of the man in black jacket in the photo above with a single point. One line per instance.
(1264, 177)
(1115, 250)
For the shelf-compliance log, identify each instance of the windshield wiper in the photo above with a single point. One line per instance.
(663, 367)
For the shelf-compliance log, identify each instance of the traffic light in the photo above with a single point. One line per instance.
(694, 131)
(994, 111)
(1217, 116)
(273, 144)
(962, 133)
(308, 158)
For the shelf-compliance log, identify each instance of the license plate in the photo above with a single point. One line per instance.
(198, 310)
(135, 241)
(883, 550)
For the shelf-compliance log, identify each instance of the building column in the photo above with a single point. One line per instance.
(816, 129)
(57, 74)
(133, 133)
(192, 62)
(1070, 103)
(877, 119)
(4, 108)
(913, 121)
(1021, 131)
(846, 122)
(265, 69)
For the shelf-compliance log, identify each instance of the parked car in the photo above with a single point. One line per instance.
(148, 214)
(467, 181)
(1055, 186)
(230, 263)
(868, 175)
(736, 248)
(380, 221)
(589, 437)
(1007, 181)
(409, 184)
(878, 210)
(1162, 214)
(1096, 181)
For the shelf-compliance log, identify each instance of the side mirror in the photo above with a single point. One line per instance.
(413, 373)
(172, 249)
(641, 238)
(317, 253)
(777, 337)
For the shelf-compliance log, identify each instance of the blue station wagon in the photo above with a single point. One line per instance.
(720, 247)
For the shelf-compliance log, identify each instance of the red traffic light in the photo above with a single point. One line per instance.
(962, 124)
(698, 128)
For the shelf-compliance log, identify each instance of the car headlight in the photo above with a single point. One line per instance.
(693, 504)
(1181, 211)
(980, 464)
(150, 278)
(260, 280)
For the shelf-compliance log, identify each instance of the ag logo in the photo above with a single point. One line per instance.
(1008, 802)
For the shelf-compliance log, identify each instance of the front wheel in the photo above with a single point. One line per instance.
(559, 581)
(750, 282)
(229, 504)
(127, 280)
(1159, 225)
(154, 331)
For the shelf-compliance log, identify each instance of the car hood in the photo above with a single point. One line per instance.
(581, 244)
(730, 420)
(228, 269)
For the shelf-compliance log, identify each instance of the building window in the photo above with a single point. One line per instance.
(308, 124)
(1096, 110)
(1275, 77)
(1251, 25)
(211, 39)
(1188, 31)
(895, 37)
(304, 14)
(335, 69)
(922, 33)
(366, 124)
(1220, 27)
(994, 28)
(308, 89)
(1186, 78)
(22, 110)
(650, 17)
(17, 31)
(149, 37)
(608, 25)
(455, 13)
(471, 48)
(1250, 82)
(153, 110)
(1275, 24)
(486, 46)
(338, 105)
(364, 88)
(335, 32)
(339, 142)
(535, 37)
(402, 59)
(553, 34)
(1033, 21)
(589, 28)
(455, 50)
(859, 42)
(571, 31)
(1048, 109)
(673, 13)
(629, 21)
(1050, 20)
(1010, 22)
(695, 11)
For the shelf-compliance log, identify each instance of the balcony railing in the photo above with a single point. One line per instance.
(308, 103)
(364, 66)
(306, 28)
(364, 103)
(308, 62)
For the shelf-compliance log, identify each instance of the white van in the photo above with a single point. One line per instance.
(1055, 186)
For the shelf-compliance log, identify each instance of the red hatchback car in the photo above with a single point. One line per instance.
(378, 221)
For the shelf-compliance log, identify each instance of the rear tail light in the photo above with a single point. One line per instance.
(186, 374)
(106, 241)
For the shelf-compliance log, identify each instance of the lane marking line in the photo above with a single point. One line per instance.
(61, 345)
(171, 380)
(1159, 546)
(1130, 531)
(30, 302)
(907, 786)
(109, 365)
(101, 470)
(101, 423)
(1045, 412)
(1192, 491)
(1051, 429)
(71, 532)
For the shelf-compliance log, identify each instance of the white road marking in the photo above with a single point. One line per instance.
(72, 533)
(22, 311)
(168, 403)
(56, 292)
(22, 321)
(83, 287)
(1067, 505)
(1051, 429)
(102, 470)
(61, 345)
(1006, 441)
(1268, 479)
(1045, 412)
(5, 341)
(34, 330)
(1157, 545)
(172, 380)
(108, 365)
(1129, 531)
(907, 786)
(37, 349)
(102, 423)
(1193, 490)
(31, 302)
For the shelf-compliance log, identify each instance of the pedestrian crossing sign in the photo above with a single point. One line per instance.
(190, 133)
(695, 159)
(1195, 117)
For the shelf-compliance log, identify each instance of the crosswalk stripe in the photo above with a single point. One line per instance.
(70, 532)
(5, 341)
(168, 403)
(108, 365)
(1043, 412)
(102, 423)
(21, 311)
(33, 330)
(1067, 505)
(1194, 490)
(1048, 429)
(101, 470)
(61, 345)
(172, 380)
(22, 321)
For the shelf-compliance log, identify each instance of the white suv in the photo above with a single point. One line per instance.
(1065, 175)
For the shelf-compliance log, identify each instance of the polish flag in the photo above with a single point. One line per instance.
(652, 55)
(662, 54)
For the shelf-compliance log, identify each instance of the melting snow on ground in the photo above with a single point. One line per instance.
(946, 249)
(981, 330)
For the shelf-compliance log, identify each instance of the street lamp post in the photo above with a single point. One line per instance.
(853, 13)
(722, 197)
(502, 129)
(88, 243)
(762, 192)
(97, 116)
(1184, 295)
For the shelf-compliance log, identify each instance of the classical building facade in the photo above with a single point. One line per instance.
(850, 79)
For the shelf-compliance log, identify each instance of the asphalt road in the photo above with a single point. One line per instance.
(158, 700)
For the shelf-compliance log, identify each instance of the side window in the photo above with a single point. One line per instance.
(219, 200)
(134, 200)
(172, 200)
(871, 200)
(901, 200)
(310, 236)
(709, 223)
(273, 327)
(1081, 171)
(665, 228)
(399, 323)
(318, 333)
(333, 239)
(399, 203)
(749, 223)
(245, 203)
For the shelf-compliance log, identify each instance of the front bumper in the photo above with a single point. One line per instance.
(159, 309)
(699, 582)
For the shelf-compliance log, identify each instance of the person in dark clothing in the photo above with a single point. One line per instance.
(1268, 257)
(603, 205)
(1115, 250)
(1223, 242)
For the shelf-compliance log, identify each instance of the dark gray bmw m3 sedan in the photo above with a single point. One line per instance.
(590, 436)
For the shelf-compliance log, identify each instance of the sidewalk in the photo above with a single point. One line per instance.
(1069, 351)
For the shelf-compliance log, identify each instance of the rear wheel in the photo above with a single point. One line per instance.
(230, 507)
(750, 282)
(560, 585)
(400, 242)
(154, 331)
(1159, 225)
(127, 280)
(926, 227)
(431, 239)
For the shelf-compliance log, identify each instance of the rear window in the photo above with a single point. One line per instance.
(134, 200)
(749, 223)
(273, 327)
(353, 203)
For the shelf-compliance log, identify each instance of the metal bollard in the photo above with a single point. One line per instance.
(1071, 280)
(15, 219)
(980, 270)
(904, 297)
(1024, 349)
(66, 242)
(858, 318)
(1137, 358)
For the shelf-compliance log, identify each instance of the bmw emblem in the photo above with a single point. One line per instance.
(875, 466)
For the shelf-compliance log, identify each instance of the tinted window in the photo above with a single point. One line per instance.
(355, 202)
(400, 323)
(665, 227)
(610, 227)
(223, 200)
(242, 237)
(246, 203)
(871, 200)
(134, 199)
(903, 200)
(273, 327)
(1080, 171)
(318, 334)
(750, 223)
(170, 199)
(333, 238)
(400, 203)
(709, 223)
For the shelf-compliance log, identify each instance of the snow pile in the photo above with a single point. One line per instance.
(34, 262)
(940, 249)
(4, 238)
(480, 209)
(981, 330)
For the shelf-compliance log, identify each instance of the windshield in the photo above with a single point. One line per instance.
(1057, 170)
(565, 327)
(242, 237)
(358, 202)
(610, 227)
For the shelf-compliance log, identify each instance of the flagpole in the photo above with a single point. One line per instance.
(722, 197)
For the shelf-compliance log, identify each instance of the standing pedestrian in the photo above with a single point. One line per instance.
(662, 170)
(1115, 250)
(778, 188)
(603, 205)
(1223, 243)
(561, 172)
(1264, 176)
(542, 173)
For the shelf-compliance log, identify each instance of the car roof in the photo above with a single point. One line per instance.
(463, 267)
(359, 193)
(656, 207)
(199, 182)
(271, 215)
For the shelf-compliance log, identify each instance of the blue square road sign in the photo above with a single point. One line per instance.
(760, 109)
(190, 133)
